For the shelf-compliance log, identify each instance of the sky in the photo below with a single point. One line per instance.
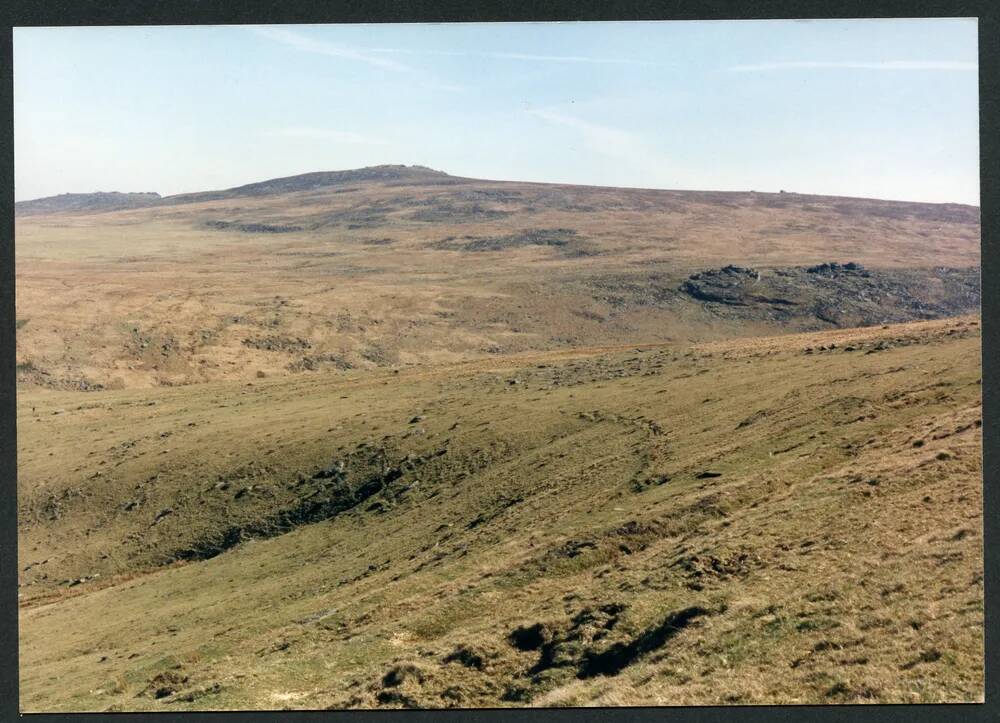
(873, 108)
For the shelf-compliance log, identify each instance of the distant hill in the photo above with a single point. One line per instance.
(320, 179)
(85, 202)
(116, 201)
(325, 270)
(347, 181)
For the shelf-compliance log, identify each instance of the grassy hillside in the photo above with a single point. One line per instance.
(392, 438)
(790, 519)
(396, 266)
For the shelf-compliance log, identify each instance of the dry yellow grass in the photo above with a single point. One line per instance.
(159, 296)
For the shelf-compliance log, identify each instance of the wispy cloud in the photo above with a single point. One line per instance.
(515, 56)
(569, 59)
(319, 47)
(361, 55)
(600, 137)
(327, 134)
(623, 145)
(376, 56)
(856, 65)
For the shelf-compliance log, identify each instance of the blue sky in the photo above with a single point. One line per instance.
(876, 108)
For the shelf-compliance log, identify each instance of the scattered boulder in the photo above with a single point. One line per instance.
(252, 227)
(723, 285)
(557, 237)
(833, 268)
(836, 294)
(277, 343)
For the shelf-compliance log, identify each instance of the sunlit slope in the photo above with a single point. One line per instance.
(389, 266)
(792, 519)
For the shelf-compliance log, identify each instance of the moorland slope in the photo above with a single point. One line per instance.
(392, 438)
(397, 265)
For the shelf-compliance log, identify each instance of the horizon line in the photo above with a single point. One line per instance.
(782, 191)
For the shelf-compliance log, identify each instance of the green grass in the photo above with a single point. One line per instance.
(827, 576)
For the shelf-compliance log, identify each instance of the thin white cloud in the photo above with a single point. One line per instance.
(857, 65)
(514, 56)
(597, 135)
(374, 56)
(327, 134)
(569, 59)
(616, 143)
(410, 51)
(311, 45)
(369, 56)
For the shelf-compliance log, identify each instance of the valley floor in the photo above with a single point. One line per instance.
(790, 519)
